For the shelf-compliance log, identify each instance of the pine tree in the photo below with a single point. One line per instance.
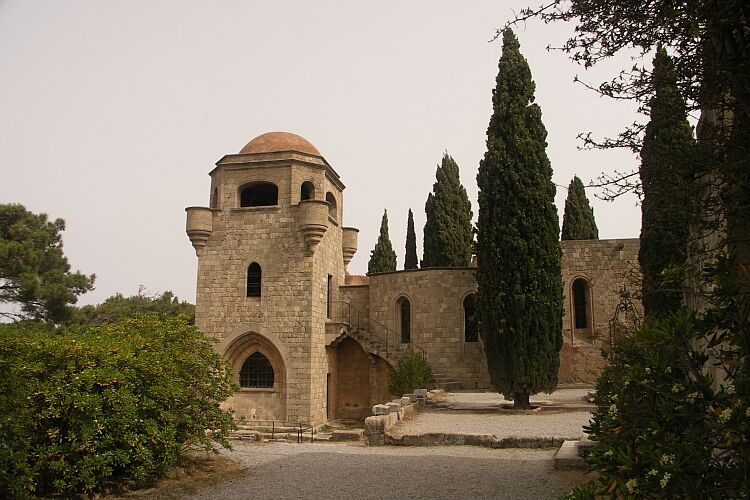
(447, 231)
(578, 221)
(518, 273)
(410, 261)
(382, 257)
(666, 159)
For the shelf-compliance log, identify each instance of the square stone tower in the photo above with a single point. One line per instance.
(271, 252)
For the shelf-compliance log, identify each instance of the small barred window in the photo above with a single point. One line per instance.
(256, 372)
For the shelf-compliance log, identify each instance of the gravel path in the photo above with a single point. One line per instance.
(547, 423)
(278, 470)
(560, 396)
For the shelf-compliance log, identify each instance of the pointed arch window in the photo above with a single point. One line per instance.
(254, 280)
(580, 303)
(403, 309)
(471, 333)
(256, 372)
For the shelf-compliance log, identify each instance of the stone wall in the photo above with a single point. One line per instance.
(607, 266)
(437, 318)
(289, 318)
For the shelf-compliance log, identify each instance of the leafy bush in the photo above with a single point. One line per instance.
(665, 428)
(412, 372)
(117, 402)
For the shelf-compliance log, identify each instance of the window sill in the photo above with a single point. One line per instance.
(255, 209)
(257, 389)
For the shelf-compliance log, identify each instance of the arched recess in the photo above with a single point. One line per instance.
(307, 191)
(403, 318)
(332, 206)
(580, 305)
(360, 380)
(257, 400)
(259, 194)
(469, 308)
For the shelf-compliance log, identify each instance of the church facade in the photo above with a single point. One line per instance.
(308, 342)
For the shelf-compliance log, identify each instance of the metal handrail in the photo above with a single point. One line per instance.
(391, 338)
(340, 312)
(301, 427)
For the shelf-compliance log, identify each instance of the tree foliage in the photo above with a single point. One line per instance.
(447, 231)
(578, 220)
(672, 422)
(518, 252)
(411, 372)
(34, 273)
(666, 175)
(410, 259)
(87, 407)
(706, 39)
(119, 307)
(382, 257)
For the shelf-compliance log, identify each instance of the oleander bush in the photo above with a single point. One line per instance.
(91, 407)
(411, 372)
(672, 417)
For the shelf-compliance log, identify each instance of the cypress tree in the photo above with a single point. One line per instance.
(410, 260)
(578, 220)
(518, 252)
(666, 159)
(447, 231)
(382, 257)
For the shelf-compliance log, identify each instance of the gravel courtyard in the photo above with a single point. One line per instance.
(280, 470)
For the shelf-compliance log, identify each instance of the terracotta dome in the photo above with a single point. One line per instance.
(279, 141)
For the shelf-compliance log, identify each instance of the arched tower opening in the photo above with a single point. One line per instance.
(581, 295)
(259, 194)
(331, 199)
(307, 191)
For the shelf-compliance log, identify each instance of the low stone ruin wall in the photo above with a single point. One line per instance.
(387, 415)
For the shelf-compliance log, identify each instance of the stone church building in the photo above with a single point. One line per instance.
(307, 341)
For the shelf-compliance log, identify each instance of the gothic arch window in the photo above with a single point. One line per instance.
(581, 314)
(254, 280)
(331, 205)
(307, 191)
(403, 310)
(259, 194)
(256, 372)
(471, 332)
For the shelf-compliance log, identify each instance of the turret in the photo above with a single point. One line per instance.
(199, 226)
(349, 243)
(313, 222)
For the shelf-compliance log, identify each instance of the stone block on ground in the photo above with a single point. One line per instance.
(347, 435)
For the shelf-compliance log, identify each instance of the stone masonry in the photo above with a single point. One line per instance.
(328, 339)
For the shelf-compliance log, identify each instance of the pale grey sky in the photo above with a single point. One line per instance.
(113, 113)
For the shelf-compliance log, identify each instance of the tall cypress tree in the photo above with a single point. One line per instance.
(518, 252)
(410, 260)
(382, 257)
(666, 166)
(447, 231)
(578, 220)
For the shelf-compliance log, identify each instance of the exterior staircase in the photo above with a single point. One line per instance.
(373, 336)
(443, 381)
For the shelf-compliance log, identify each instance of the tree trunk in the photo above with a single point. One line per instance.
(521, 401)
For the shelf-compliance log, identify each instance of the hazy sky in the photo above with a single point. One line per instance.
(113, 113)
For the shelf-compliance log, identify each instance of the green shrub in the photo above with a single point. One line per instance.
(84, 408)
(665, 428)
(412, 372)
